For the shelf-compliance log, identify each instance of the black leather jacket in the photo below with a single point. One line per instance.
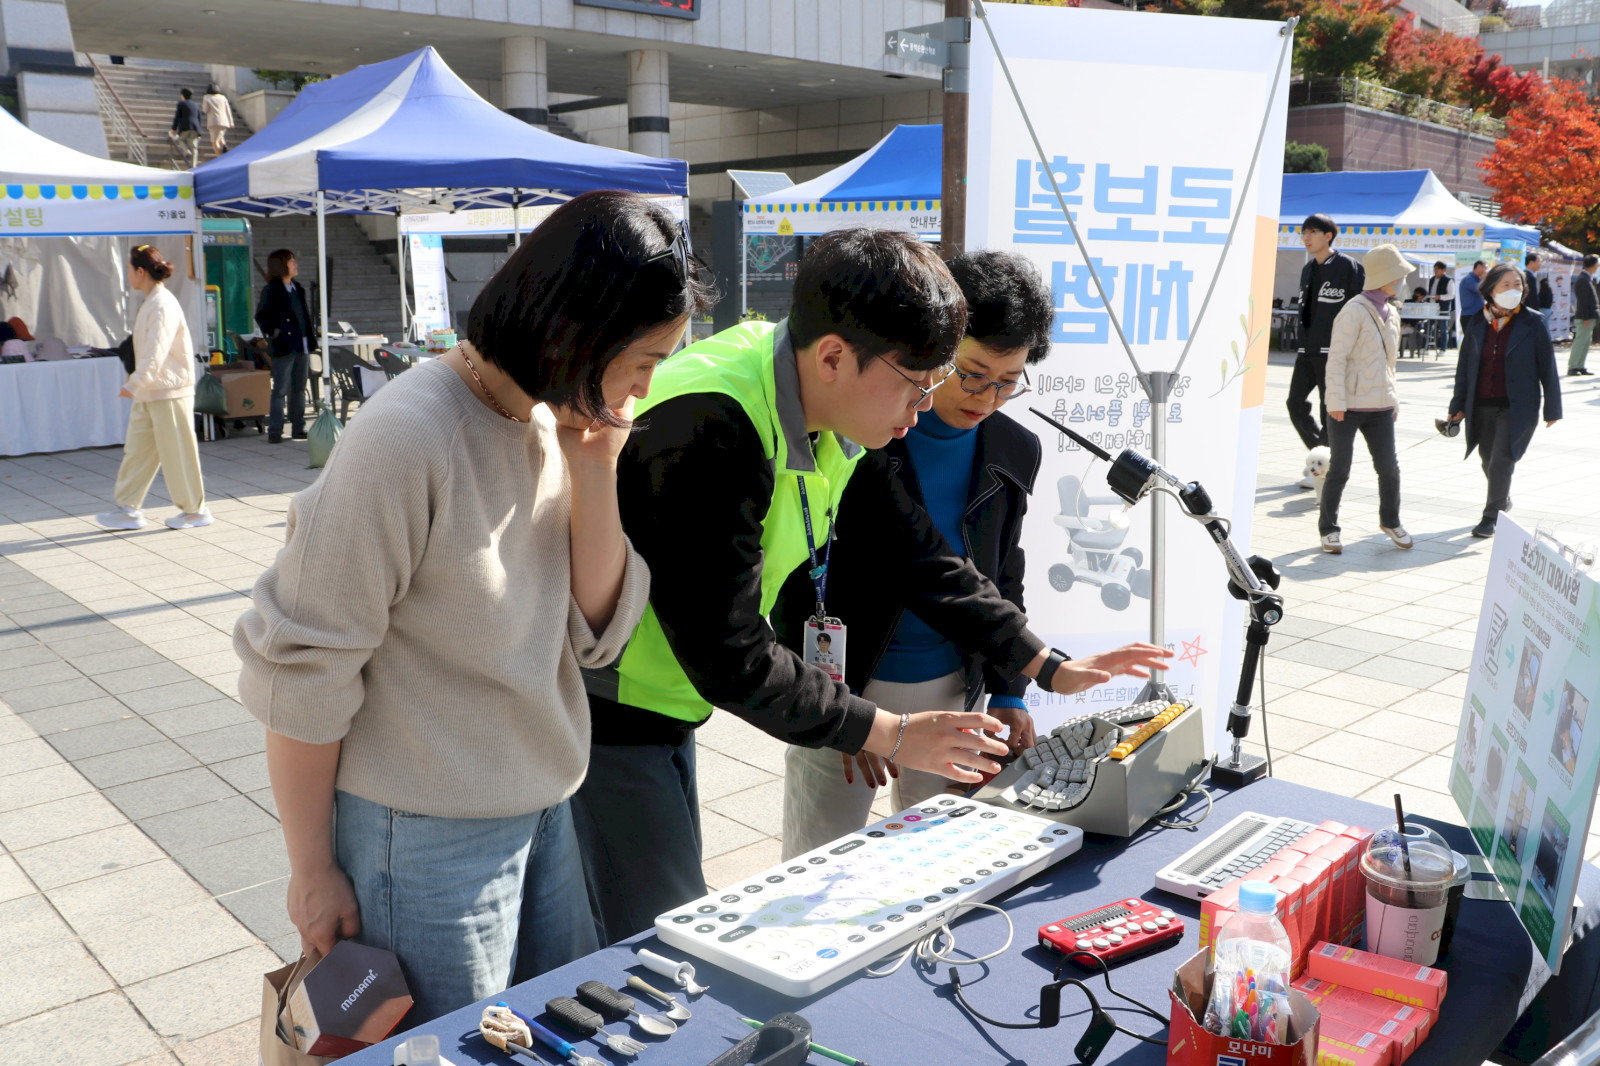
(1003, 475)
(1340, 280)
(285, 318)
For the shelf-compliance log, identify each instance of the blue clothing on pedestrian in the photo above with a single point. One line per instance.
(943, 457)
(1471, 298)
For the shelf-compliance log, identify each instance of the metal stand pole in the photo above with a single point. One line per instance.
(1158, 385)
(322, 295)
(400, 261)
(744, 268)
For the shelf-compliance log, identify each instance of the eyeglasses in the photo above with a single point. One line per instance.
(679, 252)
(940, 375)
(976, 384)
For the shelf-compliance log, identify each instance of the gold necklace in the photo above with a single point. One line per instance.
(487, 394)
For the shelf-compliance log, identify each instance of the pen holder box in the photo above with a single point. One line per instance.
(1189, 1044)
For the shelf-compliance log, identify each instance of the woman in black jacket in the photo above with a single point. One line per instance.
(1507, 360)
(284, 315)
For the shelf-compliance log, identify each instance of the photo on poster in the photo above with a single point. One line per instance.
(1094, 559)
(1491, 647)
(1555, 835)
(1519, 817)
(825, 646)
(1494, 771)
(1527, 678)
(1571, 712)
(1471, 726)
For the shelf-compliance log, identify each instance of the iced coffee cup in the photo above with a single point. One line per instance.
(1407, 890)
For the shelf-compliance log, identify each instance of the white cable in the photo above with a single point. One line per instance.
(927, 950)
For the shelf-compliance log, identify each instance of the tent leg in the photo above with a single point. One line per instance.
(744, 265)
(400, 261)
(322, 296)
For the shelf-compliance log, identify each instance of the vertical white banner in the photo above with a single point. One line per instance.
(430, 285)
(1149, 122)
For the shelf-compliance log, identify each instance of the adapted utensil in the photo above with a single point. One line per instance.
(503, 1029)
(617, 1006)
(545, 1037)
(678, 1012)
(681, 972)
(585, 1022)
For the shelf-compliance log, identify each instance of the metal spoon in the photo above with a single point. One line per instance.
(678, 1013)
(601, 997)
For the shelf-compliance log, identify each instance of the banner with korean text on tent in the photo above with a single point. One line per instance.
(1150, 123)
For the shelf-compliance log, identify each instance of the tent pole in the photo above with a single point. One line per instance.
(400, 260)
(322, 296)
(744, 265)
(516, 220)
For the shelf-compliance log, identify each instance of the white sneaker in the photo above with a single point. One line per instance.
(1398, 534)
(191, 521)
(1331, 544)
(1308, 482)
(123, 518)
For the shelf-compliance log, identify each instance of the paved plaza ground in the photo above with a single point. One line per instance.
(142, 873)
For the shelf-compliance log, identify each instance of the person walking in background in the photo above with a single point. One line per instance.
(186, 127)
(1328, 282)
(1507, 359)
(1540, 296)
(161, 426)
(218, 118)
(1363, 396)
(1442, 291)
(1585, 309)
(284, 316)
(1470, 295)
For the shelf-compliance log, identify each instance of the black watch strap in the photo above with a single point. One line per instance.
(1048, 670)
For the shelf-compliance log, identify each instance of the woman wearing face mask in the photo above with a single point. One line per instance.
(1362, 396)
(1507, 358)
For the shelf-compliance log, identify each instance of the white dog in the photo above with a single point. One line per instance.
(1317, 462)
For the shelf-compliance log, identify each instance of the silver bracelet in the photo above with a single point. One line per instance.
(904, 719)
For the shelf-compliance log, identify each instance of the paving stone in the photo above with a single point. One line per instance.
(26, 655)
(760, 808)
(49, 976)
(1402, 672)
(134, 764)
(78, 744)
(1406, 730)
(110, 662)
(40, 786)
(1366, 691)
(1316, 774)
(79, 858)
(112, 640)
(720, 835)
(169, 792)
(200, 718)
(57, 820)
(230, 742)
(1317, 709)
(738, 864)
(231, 1047)
(211, 823)
(24, 755)
(1318, 653)
(241, 863)
(126, 895)
(288, 947)
(265, 800)
(55, 694)
(106, 1031)
(247, 774)
(166, 942)
(78, 715)
(262, 908)
(1358, 753)
(166, 697)
(26, 923)
(45, 673)
(140, 678)
(206, 997)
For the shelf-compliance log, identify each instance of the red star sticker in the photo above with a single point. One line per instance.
(1192, 652)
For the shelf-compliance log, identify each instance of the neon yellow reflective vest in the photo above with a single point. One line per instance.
(754, 365)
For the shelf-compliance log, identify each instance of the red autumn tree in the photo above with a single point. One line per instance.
(1496, 88)
(1546, 170)
(1429, 63)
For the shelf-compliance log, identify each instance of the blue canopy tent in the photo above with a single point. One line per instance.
(408, 135)
(1409, 208)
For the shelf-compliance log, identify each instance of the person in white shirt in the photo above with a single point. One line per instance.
(218, 117)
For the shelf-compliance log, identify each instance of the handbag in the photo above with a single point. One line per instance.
(276, 988)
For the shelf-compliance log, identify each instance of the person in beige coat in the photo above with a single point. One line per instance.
(161, 427)
(1362, 397)
(219, 118)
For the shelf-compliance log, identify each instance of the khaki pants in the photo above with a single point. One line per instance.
(161, 436)
(817, 804)
(1582, 334)
(189, 144)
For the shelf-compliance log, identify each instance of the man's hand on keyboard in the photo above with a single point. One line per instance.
(1019, 727)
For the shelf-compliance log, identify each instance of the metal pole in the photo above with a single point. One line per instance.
(1158, 383)
(400, 260)
(744, 268)
(516, 221)
(953, 179)
(322, 296)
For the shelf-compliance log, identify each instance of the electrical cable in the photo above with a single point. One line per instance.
(1183, 798)
(927, 950)
(1050, 1003)
(1266, 739)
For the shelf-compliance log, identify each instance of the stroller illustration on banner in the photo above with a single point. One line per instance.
(1098, 557)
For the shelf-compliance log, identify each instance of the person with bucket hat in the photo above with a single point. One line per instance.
(1362, 395)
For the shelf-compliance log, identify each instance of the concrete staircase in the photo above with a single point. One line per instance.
(366, 290)
(150, 93)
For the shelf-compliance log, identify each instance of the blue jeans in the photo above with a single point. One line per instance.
(470, 906)
(288, 387)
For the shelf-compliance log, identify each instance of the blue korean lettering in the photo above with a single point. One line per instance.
(1204, 201)
(1038, 218)
(1153, 297)
(1114, 412)
(1143, 203)
(1082, 292)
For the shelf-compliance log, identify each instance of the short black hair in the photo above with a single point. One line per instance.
(1008, 304)
(1534, 257)
(586, 283)
(824, 637)
(1590, 260)
(1321, 222)
(185, 93)
(1440, 265)
(1478, 264)
(278, 264)
(882, 291)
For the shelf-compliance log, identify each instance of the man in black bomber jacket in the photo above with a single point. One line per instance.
(1328, 281)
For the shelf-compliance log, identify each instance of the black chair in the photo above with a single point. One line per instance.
(346, 367)
(393, 363)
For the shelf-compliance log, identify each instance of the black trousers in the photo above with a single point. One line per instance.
(1378, 429)
(1310, 372)
(638, 820)
(1494, 452)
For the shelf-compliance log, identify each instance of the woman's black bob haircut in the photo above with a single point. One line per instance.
(594, 276)
(1008, 304)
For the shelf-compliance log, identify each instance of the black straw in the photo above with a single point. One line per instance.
(1405, 849)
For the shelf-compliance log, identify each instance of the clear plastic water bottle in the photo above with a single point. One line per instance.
(1250, 963)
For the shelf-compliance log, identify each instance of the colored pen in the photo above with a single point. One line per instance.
(836, 1056)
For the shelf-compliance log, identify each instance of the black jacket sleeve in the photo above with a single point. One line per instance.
(1466, 362)
(1547, 295)
(1009, 582)
(939, 585)
(1544, 357)
(694, 486)
(268, 314)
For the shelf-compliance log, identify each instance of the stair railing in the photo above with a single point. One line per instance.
(123, 124)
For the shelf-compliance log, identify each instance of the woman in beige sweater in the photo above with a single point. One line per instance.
(161, 426)
(1362, 397)
(415, 649)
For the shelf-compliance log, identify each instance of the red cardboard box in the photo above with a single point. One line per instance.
(1406, 1025)
(1313, 840)
(1316, 874)
(1341, 1044)
(1216, 909)
(1378, 975)
(1292, 894)
(1338, 889)
(1334, 828)
(1188, 1043)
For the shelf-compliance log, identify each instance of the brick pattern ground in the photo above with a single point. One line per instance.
(142, 874)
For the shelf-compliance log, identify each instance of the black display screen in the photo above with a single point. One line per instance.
(672, 9)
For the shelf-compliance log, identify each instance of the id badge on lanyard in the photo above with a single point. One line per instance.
(825, 637)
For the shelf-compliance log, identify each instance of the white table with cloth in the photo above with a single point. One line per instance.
(61, 405)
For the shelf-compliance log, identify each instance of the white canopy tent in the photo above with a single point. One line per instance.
(66, 221)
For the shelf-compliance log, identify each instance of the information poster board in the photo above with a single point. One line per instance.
(430, 286)
(1154, 210)
(1526, 763)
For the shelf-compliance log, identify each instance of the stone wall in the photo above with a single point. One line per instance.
(1358, 138)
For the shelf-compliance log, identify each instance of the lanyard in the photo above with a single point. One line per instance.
(819, 569)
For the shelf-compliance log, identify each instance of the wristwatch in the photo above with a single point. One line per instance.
(1048, 670)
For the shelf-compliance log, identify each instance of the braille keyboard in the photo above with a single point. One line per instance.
(1247, 843)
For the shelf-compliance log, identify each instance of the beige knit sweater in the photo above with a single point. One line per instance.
(421, 610)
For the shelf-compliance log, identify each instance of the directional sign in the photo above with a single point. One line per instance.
(918, 47)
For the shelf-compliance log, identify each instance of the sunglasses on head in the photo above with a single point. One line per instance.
(678, 251)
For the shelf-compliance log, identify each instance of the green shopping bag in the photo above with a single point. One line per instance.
(210, 398)
(322, 436)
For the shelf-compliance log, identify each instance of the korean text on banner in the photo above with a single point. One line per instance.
(1153, 171)
(1526, 764)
